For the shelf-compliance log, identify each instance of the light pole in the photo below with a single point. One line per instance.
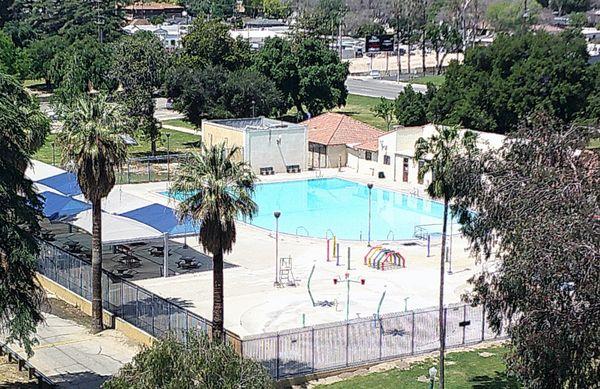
(276, 214)
(168, 134)
(347, 280)
(53, 154)
(253, 108)
(370, 186)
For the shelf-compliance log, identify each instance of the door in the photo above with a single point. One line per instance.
(405, 170)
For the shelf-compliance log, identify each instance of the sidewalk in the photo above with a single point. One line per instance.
(72, 357)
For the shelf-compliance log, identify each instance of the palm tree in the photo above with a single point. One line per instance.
(220, 190)
(437, 155)
(92, 142)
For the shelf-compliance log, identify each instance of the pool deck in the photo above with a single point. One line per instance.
(253, 305)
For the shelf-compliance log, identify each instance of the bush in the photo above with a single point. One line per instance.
(198, 363)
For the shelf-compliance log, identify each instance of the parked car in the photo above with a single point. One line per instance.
(375, 74)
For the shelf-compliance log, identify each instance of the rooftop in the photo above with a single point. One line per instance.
(254, 124)
(153, 6)
(332, 129)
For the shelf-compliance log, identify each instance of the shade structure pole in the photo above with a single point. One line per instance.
(166, 254)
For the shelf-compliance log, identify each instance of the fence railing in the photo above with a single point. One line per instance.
(368, 340)
(153, 314)
(149, 169)
(287, 353)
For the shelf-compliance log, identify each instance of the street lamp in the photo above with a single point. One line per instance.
(168, 134)
(432, 375)
(53, 154)
(253, 108)
(370, 186)
(276, 214)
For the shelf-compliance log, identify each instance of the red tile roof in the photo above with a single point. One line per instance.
(332, 129)
(153, 6)
(370, 145)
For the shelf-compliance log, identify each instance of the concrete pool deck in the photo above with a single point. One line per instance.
(253, 305)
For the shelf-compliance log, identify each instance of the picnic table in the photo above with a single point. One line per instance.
(187, 262)
(73, 247)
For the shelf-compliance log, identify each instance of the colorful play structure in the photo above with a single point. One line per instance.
(384, 259)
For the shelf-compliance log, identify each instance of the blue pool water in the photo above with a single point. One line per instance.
(313, 207)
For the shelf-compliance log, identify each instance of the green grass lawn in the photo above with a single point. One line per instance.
(179, 142)
(594, 143)
(359, 107)
(463, 370)
(435, 80)
(179, 123)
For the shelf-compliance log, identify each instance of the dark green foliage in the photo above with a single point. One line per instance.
(13, 61)
(243, 87)
(215, 9)
(23, 130)
(411, 107)
(309, 74)
(42, 52)
(499, 86)
(198, 363)
(368, 29)
(537, 219)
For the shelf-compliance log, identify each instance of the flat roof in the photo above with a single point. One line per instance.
(255, 124)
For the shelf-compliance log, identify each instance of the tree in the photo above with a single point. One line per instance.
(309, 74)
(578, 20)
(138, 64)
(196, 363)
(209, 44)
(438, 154)
(92, 139)
(509, 15)
(385, 109)
(13, 61)
(24, 128)
(42, 52)
(499, 86)
(411, 107)
(368, 29)
(567, 6)
(248, 93)
(444, 39)
(221, 190)
(537, 220)
(277, 9)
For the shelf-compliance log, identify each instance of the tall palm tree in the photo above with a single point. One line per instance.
(220, 190)
(92, 142)
(437, 155)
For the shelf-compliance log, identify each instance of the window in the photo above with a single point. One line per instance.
(421, 163)
(368, 156)
(386, 160)
(405, 170)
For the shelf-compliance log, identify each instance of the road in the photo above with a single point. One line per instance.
(365, 86)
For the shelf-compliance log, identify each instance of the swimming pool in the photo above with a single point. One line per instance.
(315, 206)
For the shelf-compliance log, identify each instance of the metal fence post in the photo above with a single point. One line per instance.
(152, 313)
(137, 302)
(412, 338)
(149, 179)
(128, 172)
(347, 341)
(169, 315)
(464, 320)
(483, 323)
(277, 358)
(380, 338)
(312, 342)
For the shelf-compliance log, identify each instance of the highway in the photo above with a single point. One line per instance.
(365, 86)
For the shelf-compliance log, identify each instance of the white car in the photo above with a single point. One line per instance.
(375, 74)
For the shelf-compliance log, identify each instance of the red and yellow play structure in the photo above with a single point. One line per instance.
(384, 259)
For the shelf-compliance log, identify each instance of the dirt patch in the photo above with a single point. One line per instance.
(64, 310)
(11, 377)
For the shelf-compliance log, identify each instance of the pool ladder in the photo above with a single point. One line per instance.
(302, 228)
(388, 235)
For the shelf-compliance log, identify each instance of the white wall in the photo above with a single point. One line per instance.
(262, 148)
(357, 162)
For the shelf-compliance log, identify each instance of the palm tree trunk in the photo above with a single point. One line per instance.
(217, 327)
(96, 267)
(442, 318)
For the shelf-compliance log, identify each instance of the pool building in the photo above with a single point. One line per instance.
(267, 145)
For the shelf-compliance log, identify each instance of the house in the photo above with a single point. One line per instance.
(170, 35)
(143, 10)
(331, 136)
(268, 145)
(396, 151)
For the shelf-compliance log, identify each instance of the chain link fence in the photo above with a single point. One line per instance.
(150, 169)
(287, 353)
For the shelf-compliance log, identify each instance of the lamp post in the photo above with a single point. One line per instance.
(432, 375)
(53, 154)
(276, 214)
(168, 134)
(370, 186)
(253, 108)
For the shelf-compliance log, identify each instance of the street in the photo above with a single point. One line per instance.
(365, 86)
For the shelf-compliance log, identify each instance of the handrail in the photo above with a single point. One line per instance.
(43, 380)
(327, 232)
(388, 235)
(304, 228)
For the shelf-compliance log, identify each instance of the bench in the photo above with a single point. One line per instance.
(267, 171)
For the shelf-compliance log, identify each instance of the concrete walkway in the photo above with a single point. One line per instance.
(73, 358)
(181, 129)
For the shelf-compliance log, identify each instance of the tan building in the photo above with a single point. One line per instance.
(269, 146)
(331, 136)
